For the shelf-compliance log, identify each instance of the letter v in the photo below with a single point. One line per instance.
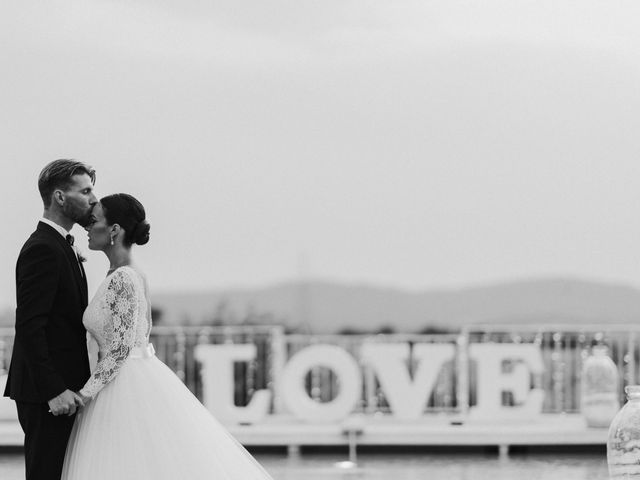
(406, 398)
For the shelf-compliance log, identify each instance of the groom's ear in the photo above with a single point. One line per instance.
(58, 197)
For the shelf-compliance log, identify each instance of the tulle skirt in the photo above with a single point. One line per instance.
(146, 425)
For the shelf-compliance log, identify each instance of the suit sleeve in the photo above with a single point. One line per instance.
(37, 277)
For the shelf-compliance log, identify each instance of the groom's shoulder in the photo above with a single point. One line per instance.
(40, 239)
(44, 234)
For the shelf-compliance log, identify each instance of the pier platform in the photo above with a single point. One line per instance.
(562, 429)
(285, 431)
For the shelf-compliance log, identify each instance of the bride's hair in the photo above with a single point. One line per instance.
(126, 211)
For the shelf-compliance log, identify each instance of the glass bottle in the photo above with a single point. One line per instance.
(623, 444)
(599, 397)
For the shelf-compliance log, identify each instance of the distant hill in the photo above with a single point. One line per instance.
(327, 307)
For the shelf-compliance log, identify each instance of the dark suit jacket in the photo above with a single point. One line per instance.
(50, 348)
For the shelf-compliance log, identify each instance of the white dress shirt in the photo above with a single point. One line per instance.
(62, 231)
(57, 227)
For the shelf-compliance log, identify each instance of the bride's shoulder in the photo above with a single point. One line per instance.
(124, 275)
(127, 271)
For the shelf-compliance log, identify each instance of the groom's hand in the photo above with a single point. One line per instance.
(63, 404)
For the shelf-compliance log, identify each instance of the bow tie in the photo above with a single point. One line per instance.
(70, 239)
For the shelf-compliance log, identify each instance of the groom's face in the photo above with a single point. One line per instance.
(79, 199)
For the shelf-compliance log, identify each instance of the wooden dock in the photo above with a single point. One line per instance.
(284, 431)
(566, 430)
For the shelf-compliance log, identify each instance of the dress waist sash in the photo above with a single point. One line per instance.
(143, 352)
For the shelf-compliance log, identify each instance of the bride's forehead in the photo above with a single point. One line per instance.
(98, 211)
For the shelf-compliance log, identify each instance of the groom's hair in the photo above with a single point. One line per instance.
(57, 175)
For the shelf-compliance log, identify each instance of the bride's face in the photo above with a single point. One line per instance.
(98, 231)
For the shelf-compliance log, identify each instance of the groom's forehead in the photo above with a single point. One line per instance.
(81, 181)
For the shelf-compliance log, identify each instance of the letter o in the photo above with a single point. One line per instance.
(345, 368)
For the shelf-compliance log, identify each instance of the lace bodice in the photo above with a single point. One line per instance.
(119, 319)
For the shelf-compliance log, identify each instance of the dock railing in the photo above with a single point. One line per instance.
(175, 346)
(563, 347)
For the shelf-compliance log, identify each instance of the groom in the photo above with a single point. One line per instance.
(49, 361)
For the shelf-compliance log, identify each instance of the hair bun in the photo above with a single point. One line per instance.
(141, 232)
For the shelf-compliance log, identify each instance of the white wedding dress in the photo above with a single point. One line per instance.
(142, 422)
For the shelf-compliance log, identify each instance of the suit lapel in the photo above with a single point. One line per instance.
(80, 281)
(83, 284)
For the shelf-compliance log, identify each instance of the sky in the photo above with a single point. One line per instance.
(413, 144)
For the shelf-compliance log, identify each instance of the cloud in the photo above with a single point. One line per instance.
(417, 130)
(256, 34)
(137, 30)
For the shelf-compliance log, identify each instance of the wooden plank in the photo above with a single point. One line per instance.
(546, 430)
(283, 430)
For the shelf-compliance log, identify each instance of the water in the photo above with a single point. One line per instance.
(415, 465)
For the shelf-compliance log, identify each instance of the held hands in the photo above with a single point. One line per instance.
(66, 403)
(83, 399)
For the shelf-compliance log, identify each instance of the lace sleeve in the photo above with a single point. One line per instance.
(121, 304)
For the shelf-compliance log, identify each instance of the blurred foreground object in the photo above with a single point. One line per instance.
(599, 388)
(623, 445)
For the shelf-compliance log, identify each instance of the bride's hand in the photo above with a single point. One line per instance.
(81, 400)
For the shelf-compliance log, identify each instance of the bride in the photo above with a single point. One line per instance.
(140, 421)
